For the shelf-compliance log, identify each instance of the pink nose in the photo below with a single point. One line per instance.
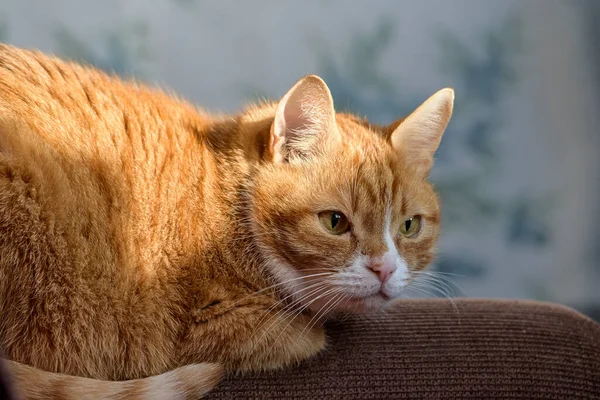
(383, 269)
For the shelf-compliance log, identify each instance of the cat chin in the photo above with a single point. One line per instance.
(367, 305)
(356, 305)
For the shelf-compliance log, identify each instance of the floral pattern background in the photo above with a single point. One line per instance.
(518, 170)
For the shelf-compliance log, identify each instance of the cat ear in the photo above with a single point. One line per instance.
(304, 120)
(418, 135)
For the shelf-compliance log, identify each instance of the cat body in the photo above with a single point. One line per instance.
(146, 246)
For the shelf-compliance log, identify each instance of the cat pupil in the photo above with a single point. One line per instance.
(407, 224)
(335, 218)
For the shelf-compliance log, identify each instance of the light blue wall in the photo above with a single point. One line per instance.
(519, 167)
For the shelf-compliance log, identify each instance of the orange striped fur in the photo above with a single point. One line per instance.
(147, 246)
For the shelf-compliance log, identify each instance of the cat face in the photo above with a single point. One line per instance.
(343, 214)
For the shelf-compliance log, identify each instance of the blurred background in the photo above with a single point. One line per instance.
(519, 167)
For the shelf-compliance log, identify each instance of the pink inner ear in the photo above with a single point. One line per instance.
(294, 118)
(291, 118)
(289, 126)
(305, 116)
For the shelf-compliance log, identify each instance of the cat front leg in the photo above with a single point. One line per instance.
(282, 338)
(251, 337)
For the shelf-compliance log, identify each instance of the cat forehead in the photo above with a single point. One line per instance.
(359, 129)
(363, 180)
(379, 178)
(366, 147)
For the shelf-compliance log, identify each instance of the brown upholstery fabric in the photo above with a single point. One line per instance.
(424, 349)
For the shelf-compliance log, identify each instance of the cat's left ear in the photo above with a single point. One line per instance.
(304, 121)
(418, 135)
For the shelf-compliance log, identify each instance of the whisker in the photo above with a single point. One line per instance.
(442, 277)
(420, 290)
(316, 317)
(434, 272)
(441, 288)
(283, 313)
(342, 296)
(327, 292)
(291, 295)
(283, 283)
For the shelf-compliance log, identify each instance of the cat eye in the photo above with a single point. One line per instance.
(335, 222)
(411, 226)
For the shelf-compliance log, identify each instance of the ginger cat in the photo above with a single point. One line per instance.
(146, 246)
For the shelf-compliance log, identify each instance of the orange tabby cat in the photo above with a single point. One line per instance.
(146, 246)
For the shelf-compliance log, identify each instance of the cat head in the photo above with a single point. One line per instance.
(342, 211)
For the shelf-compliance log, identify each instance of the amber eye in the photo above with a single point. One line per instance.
(411, 226)
(335, 222)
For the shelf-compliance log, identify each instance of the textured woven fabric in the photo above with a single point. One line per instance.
(426, 349)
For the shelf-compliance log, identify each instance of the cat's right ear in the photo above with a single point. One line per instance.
(418, 135)
(304, 121)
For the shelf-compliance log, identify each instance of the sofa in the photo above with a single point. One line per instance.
(435, 349)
